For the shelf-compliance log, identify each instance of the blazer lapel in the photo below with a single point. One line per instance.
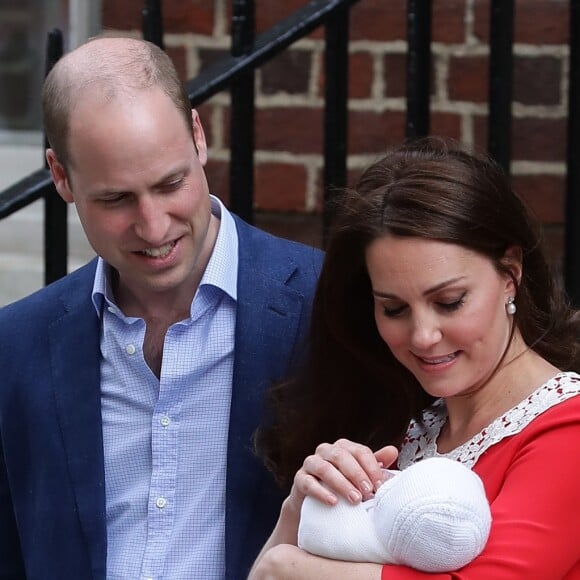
(75, 356)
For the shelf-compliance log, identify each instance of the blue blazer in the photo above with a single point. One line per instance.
(52, 492)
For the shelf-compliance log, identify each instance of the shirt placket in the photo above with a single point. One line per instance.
(161, 509)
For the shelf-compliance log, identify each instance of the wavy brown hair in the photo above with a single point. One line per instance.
(351, 385)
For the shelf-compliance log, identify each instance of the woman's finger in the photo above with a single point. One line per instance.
(346, 468)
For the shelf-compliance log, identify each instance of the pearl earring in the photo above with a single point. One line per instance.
(510, 307)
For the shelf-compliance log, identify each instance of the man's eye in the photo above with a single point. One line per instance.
(173, 185)
(113, 200)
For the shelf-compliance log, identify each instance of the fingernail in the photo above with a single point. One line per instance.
(354, 496)
(366, 486)
(331, 499)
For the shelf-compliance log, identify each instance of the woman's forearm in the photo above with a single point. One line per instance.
(285, 532)
(286, 562)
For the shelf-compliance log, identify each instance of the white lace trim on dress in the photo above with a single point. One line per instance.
(421, 439)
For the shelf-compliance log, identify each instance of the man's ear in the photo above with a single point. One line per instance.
(199, 137)
(512, 260)
(59, 176)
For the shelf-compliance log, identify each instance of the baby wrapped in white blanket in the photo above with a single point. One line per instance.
(433, 516)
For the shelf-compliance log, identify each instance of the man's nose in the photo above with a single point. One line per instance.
(151, 221)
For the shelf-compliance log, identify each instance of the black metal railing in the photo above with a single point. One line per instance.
(499, 134)
(418, 68)
(242, 131)
(572, 207)
(236, 73)
(55, 208)
(233, 72)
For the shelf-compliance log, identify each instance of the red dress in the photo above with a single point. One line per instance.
(529, 462)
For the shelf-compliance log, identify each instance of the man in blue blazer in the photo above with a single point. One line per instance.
(131, 388)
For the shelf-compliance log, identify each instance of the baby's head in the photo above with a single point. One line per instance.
(433, 516)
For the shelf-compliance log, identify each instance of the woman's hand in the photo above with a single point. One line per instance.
(345, 468)
(342, 468)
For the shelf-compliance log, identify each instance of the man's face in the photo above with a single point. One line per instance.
(137, 180)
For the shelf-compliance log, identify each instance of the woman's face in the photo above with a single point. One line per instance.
(440, 308)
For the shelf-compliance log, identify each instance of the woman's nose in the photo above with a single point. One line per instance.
(426, 331)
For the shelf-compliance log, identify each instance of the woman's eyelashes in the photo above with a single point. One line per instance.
(393, 312)
(452, 305)
(445, 305)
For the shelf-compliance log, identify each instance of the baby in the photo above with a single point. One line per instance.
(433, 516)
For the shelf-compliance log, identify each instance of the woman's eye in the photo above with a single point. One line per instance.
(394, 311)
(453, 305)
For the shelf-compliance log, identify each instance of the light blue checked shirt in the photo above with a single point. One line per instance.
(165, 441)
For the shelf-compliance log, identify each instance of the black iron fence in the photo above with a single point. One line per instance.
(248, 52)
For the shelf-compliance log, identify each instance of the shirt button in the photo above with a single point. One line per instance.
(160, 502)
(130, 349)
(165, 420)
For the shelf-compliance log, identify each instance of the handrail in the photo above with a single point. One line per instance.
(217, 77)
(24, 192)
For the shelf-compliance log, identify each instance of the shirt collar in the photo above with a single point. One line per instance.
(221, 270)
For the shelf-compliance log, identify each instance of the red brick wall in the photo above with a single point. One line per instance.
(289, 92)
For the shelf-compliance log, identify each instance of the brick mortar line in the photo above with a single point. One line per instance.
(469, 21)
(383, 104)
(220, 24)
(193, 41)
(380, 82)
(553, 168)
(311, 189)
(392, 104)
(357, 161)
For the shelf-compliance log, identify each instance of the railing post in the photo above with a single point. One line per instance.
(418, 67)
(242, 130)
(55, 209)
(572, 210)
(152, 22)
(335, 110)
(500, 82)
